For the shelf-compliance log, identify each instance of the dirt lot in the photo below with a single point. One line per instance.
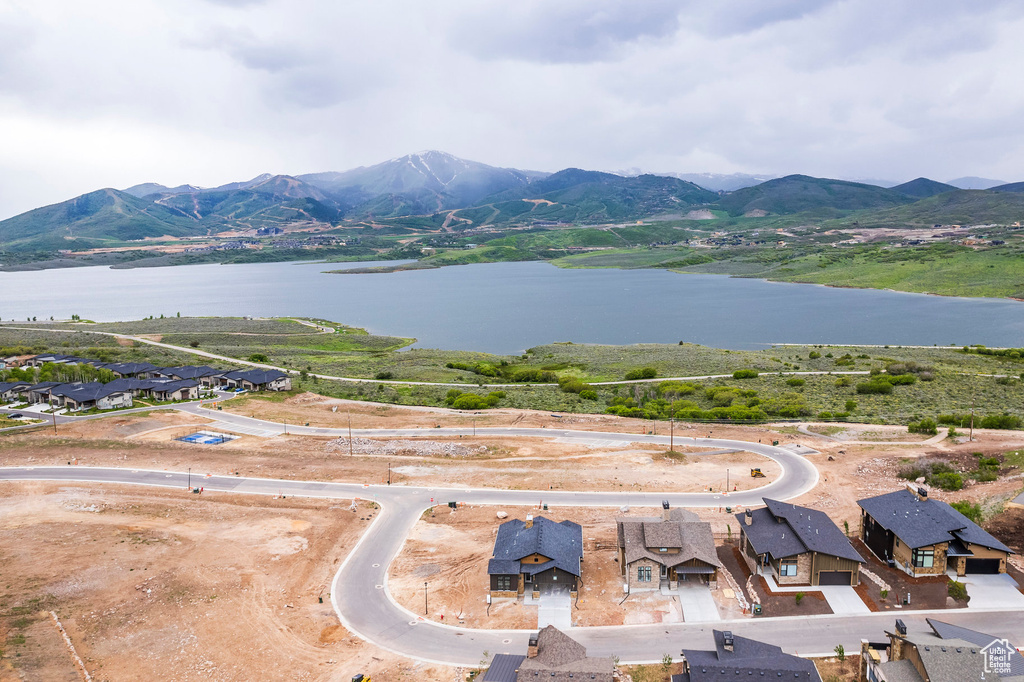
(152, 584)
(450, 551)
(149, 440)
(862, 469)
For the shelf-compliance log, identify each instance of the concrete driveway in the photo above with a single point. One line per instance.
(992, 591)
(555, 608)
(697, 603)
(842, 599)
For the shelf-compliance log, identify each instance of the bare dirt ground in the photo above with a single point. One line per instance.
(153, 584)
(851, 471)
(450, 551)
(149, 441)
(56, 550)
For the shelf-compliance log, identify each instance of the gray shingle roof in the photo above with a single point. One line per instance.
(561, 659)
(130, 368)
(979, 639)
(785, 530)
(560, 542)
(920, 523)
(503, 668)
(189, 371)
(748, 658)
(256, 376)
(642, 537)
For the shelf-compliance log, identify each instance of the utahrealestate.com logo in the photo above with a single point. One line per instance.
(997, 657)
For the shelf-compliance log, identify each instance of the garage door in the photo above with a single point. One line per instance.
(982, 566)
(835, 578)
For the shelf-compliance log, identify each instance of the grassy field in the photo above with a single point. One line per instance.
(945, 380)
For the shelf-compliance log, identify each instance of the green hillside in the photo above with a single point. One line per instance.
(800, 193)
(962, 206)
(104, 214)
(923, 187)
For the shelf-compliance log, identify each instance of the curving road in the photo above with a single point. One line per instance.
(359, 589)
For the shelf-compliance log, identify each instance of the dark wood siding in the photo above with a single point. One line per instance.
(513, 583)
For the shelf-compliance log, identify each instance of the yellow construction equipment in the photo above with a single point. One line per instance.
(756, 473)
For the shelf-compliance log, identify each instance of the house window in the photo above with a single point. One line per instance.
(663, 549)
(924, 558)
(643, 574)
(787, 568)
(504, 583)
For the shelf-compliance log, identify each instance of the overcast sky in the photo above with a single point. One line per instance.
(110, 94)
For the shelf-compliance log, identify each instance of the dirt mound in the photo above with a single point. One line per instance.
(756, 213)
(701, 214)
(414, 448)
(306, 398)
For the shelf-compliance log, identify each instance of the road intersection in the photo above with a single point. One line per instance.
(359, 592)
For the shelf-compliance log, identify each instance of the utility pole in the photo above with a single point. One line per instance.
(972, 420)
(52, 413)
(726, 480)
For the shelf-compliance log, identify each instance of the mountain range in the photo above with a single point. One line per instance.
(443, 189)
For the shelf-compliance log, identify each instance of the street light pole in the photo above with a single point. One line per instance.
(349, 434)
(424, 598)
(671, 434)
(190, 478)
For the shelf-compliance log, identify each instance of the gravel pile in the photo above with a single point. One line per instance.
(414, 448)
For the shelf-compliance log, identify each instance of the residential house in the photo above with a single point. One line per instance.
(924, 536)
(676, 547)
(739, 658)
(39, 393)
(945, 653)
(797, 545)
(16, 360)
(83, 396)
(11, 390)
(551, 655)
(538, 554)
(174, 390)
(138, 370)
(201, 373)
(257, 380)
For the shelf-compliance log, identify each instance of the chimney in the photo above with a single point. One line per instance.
(665, 510)
(920, 493)
(531, 650)
(901, 628)
(727, 640)
(748, 517)
(529, 521)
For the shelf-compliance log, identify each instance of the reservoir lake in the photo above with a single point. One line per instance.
(509, 307)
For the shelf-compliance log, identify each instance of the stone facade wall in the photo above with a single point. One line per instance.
(631, 573)
(803, 571)
(904, 557)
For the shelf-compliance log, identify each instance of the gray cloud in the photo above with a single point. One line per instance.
(210, 91)
(563, 32)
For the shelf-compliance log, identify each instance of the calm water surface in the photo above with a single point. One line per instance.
(508, 307)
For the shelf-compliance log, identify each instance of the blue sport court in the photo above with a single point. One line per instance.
(207, 438)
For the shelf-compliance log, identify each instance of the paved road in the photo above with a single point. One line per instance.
(359, 592)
